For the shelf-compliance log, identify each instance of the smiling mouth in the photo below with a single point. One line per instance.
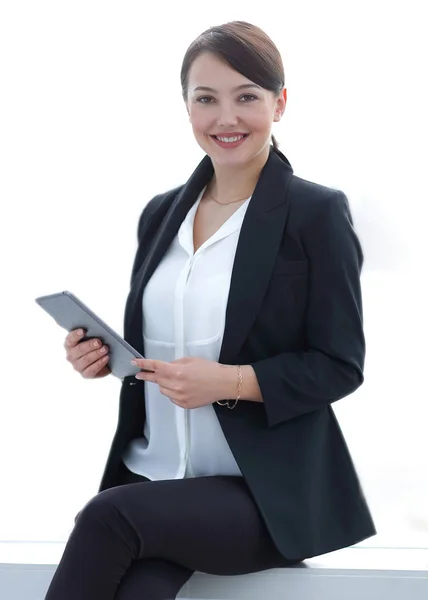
(231, 139)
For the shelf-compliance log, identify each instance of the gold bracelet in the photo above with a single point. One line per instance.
(238, 395)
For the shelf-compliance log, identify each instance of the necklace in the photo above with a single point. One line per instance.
(226, 203)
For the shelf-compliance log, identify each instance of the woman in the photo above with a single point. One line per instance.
(245, 298)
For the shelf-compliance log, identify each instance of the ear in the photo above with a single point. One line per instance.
(280, 105)
(284, 97)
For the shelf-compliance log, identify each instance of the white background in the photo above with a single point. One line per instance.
(91, 113)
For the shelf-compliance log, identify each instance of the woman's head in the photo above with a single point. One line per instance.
(232, 80)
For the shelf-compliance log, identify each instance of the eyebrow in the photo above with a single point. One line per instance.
(239, 87)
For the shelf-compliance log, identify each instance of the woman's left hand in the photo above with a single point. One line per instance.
(188, 382)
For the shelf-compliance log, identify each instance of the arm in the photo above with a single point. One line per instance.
(143, 225)
(150, 219)
(331, 366)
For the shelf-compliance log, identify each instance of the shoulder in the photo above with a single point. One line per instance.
(160, 202)
(322, 217)
(156, 209)
(313, 194)
(311, 200)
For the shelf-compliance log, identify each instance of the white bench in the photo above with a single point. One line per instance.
(351, 574)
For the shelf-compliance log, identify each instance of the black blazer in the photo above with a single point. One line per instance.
(294, 313)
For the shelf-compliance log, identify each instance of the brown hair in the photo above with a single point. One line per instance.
(244, 47)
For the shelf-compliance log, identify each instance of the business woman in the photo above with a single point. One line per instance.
(245, 300)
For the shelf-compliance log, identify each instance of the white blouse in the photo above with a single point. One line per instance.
(184, 311)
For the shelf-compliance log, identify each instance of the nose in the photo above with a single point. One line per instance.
(227, 116)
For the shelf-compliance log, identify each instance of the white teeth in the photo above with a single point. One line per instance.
(230, 139)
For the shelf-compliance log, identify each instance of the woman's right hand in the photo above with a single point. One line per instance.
(89, 358)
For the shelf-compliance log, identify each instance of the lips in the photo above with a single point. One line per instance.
(234, 140)
(230, 135)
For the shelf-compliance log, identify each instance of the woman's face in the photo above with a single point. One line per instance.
(222, 103)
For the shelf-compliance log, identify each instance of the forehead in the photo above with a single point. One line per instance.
(208, 70)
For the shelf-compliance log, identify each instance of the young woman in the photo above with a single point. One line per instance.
(245, 298)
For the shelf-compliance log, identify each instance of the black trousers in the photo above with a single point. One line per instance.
(142, 540)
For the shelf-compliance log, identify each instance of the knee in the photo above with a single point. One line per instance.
(100, 509)
(102, 518)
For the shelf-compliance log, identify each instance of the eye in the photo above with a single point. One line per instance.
(249, 97)
(202, 99)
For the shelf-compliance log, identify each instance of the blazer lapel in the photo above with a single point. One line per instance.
(258, 246)
(168, 229)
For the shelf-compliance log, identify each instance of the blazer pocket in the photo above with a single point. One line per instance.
(291, 267)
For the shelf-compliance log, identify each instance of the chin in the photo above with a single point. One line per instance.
(244, 158)
(231, 162)
(232, 157)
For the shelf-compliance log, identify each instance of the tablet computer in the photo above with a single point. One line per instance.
(70, 313)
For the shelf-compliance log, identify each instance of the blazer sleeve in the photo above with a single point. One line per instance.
(331, 365)
(150, 219)
(144, 225)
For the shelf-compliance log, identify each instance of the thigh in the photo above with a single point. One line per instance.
(208, 524)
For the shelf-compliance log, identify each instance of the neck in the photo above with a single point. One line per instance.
(229, 183)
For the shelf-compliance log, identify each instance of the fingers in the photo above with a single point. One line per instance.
(81, 363)
(73, 338)
(149, 365)
(148, 376)
(75, 348)
(85, 348)
(88, 358)
(97, 368)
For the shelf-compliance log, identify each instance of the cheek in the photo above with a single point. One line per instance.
(261, 120)
(200, 122)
